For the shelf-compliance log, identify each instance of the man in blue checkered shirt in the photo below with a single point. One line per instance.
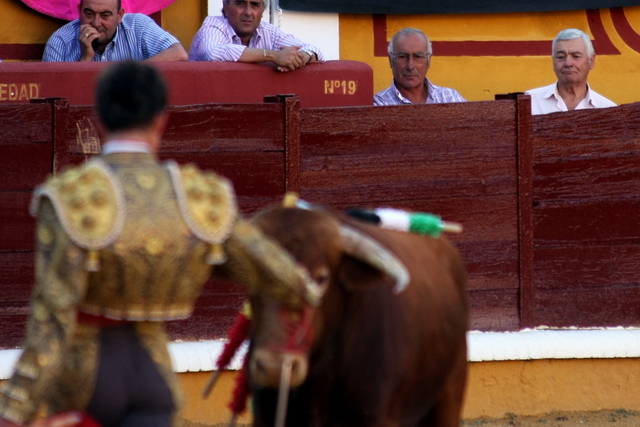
(410, 58)
(105, 33)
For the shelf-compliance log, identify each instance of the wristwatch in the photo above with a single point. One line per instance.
(308, 52)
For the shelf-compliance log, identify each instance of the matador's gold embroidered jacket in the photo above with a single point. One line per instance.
(126, 238)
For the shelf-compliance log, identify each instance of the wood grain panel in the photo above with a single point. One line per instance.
(612, 221)
(16, 276)
(387, 154)
(225, 127)
(211, 128)
(437, 122)
(586, 133)
(586, 228)
(602, 178)
(252, 174)
(587, 266)
(608, 306)
(60, 141)
(26, 124)
(16, 224)
(494, 310)
(462, 167)
(24, 165)
(13, 318)
(525, 215)
(490, 265)
(393, 179)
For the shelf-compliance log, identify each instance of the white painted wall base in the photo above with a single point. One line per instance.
(529, 344)
(536, 344)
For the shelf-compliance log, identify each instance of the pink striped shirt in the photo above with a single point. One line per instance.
(217, 41)
(437, 95)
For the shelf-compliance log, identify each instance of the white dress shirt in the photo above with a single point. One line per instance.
(545, 100)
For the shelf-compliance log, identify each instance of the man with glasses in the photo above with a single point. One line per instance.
(410, 58)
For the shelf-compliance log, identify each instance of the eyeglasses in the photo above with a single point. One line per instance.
(403, 58)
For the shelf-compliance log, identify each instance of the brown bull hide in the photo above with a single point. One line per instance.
(375, 357)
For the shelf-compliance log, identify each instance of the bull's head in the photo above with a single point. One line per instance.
(339, 258)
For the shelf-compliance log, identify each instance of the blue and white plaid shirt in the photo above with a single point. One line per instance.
(437, 95)
(138, 37)
(217, 41)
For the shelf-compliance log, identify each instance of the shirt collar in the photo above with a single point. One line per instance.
(125, 146)
(588, 99)
(404, 100)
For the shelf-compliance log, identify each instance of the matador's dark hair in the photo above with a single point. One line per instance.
(130, 95)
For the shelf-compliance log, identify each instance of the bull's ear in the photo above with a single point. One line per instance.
(356, 274)
(374, 257)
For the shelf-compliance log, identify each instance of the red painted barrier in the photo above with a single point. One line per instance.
(331, 84)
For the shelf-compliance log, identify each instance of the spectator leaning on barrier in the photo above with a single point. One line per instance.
(104, 32)
(573, 57)
(410, 58)
(239, 35)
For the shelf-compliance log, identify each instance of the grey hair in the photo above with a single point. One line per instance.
(571, 34)
(409, 32)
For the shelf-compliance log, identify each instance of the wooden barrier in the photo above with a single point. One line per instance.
(586, 212)
(549, 203)
(26, 156)
(244, 142)
(456, 160)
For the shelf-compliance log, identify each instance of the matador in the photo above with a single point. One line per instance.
(125, 243)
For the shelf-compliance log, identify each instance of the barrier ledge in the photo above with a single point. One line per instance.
(532, 344)
(330, 84)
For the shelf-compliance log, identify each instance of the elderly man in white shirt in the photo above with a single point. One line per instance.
(239, 35)
(573, 57)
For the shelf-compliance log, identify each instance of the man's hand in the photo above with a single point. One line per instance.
(306, 57)
(87, 35)
(288, 58)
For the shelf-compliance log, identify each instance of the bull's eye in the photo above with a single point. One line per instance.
(322, 281)
(322, 278)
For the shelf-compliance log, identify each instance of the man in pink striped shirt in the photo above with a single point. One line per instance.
(239, 35)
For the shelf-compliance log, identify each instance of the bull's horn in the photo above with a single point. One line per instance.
(312, 293)
(372, 252)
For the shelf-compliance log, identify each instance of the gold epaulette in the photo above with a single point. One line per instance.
(208, 205)
(89, 203)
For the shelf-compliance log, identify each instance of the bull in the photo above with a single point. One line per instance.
(386, 344)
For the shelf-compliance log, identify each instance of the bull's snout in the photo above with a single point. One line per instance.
(266, 367)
